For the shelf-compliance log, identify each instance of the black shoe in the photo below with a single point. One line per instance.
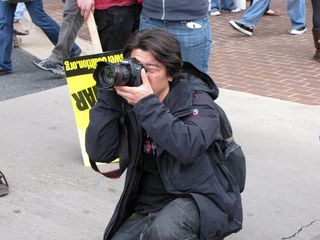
(299, 31)
(241, 28)
(2, 72)
(4, 186)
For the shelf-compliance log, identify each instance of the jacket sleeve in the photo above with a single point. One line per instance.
(185, 138)
(102, 134)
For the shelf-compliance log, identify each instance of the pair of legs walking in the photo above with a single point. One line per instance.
(296, 11)
(38, 16)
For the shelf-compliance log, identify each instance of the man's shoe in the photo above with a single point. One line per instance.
(48, 65)
(215, 13)
(16, 41)
(2, 72)
(241, 28)
(236, 10)
(4, 186)
(299, 31)
(271, 12)
(316, 56)
(19, 29)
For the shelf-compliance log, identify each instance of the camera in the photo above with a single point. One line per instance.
(125, 73)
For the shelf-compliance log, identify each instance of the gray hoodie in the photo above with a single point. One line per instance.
(175, 9)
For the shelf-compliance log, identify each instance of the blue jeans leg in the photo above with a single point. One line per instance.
(6, 35)
(40, 18)
(227, 5)
(297, 13)
(194, 38)
(254, 13)
(179, 219)
(214, 5)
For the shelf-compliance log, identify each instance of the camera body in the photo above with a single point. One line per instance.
(125, 73)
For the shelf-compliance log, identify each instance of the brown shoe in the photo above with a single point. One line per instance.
(271, 12)
(4, 186)
(17, 41)
(19, 29)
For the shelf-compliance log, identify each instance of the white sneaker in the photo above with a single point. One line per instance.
(215, 13)
(236, 10)
(298, 31)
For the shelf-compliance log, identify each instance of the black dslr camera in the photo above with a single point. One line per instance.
(125, 73)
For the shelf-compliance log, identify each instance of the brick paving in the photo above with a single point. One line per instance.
(271, 63)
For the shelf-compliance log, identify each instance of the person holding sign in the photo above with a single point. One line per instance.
(158, 115)
(74, 13)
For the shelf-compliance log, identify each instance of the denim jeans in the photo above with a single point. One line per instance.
(296, 11)
(224, 5)
(179, 219)
(254, 13)
(194, 38)
(109, 22)
(38, 16)
(70, 26)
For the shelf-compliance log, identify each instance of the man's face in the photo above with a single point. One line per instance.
(156, 72)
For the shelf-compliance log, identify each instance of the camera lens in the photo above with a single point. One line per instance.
(108, 74)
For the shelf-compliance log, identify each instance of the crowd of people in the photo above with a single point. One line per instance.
(173, 188)
(194, 36)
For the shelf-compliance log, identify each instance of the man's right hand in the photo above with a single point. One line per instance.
(86, 6)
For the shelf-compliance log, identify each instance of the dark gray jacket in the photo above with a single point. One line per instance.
(183, 128)
(175, 9)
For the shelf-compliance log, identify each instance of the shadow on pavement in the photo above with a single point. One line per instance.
(26, 77)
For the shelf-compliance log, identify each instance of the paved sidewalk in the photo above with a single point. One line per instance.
(271, 63)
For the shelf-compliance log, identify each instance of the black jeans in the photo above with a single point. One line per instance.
(179, 219)
(115, 26)
(316, 13)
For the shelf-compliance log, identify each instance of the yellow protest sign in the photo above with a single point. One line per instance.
(83, 91)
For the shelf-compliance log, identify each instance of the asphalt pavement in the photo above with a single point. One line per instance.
(54, 197)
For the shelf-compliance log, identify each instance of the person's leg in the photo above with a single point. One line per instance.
(316, 28)
(194, 38)
(115, 23)
(227, 5)
(6, 35)
(214, 9)
(70, 26)
(40, 18)
(253, 14)
(316, 13)
(177, 220)
(268, 8)
(214, 5)
(132, 228)
(297, 13)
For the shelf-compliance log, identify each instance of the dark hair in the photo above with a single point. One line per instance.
(161, 44)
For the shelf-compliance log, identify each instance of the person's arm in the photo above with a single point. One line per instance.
(102, 134)
(86, 6)
(185, 139)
